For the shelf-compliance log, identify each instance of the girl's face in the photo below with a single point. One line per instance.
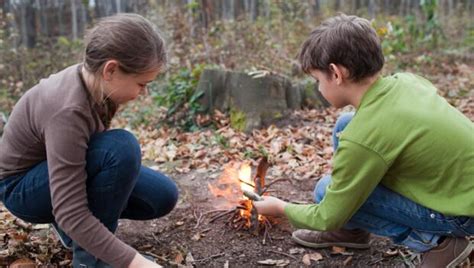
(123, 87)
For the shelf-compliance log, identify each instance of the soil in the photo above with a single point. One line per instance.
(178, 235)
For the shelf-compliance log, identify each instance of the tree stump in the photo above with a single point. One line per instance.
(256, 101)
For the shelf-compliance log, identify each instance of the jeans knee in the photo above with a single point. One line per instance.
(125, 151)
(170, 199)
(320, 189)
(113, 161)
(343, 120)
(127, 147)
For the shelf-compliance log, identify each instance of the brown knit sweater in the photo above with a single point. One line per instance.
(53, 121)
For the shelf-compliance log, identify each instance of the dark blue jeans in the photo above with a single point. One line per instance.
(389, 214)
(118, 186)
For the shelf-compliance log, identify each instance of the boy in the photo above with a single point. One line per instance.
(404, 164)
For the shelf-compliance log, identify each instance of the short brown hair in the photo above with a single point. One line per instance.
(346, 40)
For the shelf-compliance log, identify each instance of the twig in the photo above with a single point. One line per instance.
(210, 257)
(22, 224)
(372, 262)
(218, 216)
(266, 234)
(247, 183)
(271, 183)
(201, 216)
(284, 254)
(198, 219)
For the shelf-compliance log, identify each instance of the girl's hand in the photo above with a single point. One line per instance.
(270, 206)
(139, 261)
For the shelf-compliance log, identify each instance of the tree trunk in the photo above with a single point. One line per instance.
(316, 7)
(24, 35)
(372, 9)
(266, 8)
(228, 10)
(337, 5)
(60, 17)
(5, 6)
(74, 19)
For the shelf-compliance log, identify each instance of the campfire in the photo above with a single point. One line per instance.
(235, 190)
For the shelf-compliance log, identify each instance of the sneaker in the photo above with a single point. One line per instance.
(356, 238)
(450, 253)
(62, 237)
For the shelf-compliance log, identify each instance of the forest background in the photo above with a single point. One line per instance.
(432, 38)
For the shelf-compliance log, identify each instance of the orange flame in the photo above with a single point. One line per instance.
(228, 189)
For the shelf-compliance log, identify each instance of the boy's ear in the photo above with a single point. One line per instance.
(338, 72)
(110, 68)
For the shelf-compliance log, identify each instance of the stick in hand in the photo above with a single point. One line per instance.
(252, 196)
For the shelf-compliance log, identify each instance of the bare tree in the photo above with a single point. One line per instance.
(228, 10)
(74, 19)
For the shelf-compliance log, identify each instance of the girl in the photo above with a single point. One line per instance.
(59, 164)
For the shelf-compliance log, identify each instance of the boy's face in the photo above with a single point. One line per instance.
(330, 88)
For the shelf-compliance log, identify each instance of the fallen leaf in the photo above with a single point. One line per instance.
(179, 258)
(279, 263)
(196, 237)
(189, 259)
(316, 256)
(340, 251)
(40, 226)
(391, 253)
(296, 250)
(347, 261)
(306, 260)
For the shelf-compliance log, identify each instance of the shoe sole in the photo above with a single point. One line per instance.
(462, 257)
(60, 238)
(331, 244)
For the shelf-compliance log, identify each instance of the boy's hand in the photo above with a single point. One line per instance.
(270, 206)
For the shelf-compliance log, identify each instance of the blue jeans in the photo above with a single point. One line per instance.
(389, 214)
(118, 186)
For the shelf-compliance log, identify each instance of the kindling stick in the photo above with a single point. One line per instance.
(252, 196)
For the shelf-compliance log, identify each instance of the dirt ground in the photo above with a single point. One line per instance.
(218, 244)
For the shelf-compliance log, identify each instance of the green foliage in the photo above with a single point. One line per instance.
(394, 38)
(400, 35)
(469, 38)
(192, 5)
(221, 140)
(263, 152)
(181, 97)
(250, 154)
(237, 119)
(431, 28)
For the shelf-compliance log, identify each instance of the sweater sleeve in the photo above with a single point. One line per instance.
(66, 137)
(357, 171)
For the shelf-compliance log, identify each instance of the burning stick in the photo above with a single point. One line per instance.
(245, 215)
(251, 195)
(259, 179)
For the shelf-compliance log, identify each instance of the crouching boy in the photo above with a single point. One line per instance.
(404, 161)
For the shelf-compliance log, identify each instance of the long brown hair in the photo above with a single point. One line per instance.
(130, 39)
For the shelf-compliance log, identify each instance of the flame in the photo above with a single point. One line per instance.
(228, 189)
